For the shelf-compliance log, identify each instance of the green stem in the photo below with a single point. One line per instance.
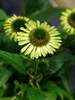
(35, 66)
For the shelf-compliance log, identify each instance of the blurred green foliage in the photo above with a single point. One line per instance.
(33, 6)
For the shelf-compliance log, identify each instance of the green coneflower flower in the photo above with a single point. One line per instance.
(39, 39)
(12, 25)
(68, 21)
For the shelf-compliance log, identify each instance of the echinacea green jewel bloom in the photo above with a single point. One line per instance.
(38, 39)
(12, 25)
(68, 21)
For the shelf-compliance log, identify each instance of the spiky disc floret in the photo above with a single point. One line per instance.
(67, 21)
(39, 39)
(12, 25)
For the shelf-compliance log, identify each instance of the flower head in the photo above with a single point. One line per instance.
(12, 25)
(68, 21)
(38, 39)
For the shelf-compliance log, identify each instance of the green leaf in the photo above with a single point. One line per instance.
(61, 66)
(53, 88)
(4, 75)
(56, 62)
(66, 76)
(31, 7)
(7, 45)
(50, 96)
(5, 98)
(3, 15)
(47, 14)
(35, 94)
(14, 59)
(2, 89)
